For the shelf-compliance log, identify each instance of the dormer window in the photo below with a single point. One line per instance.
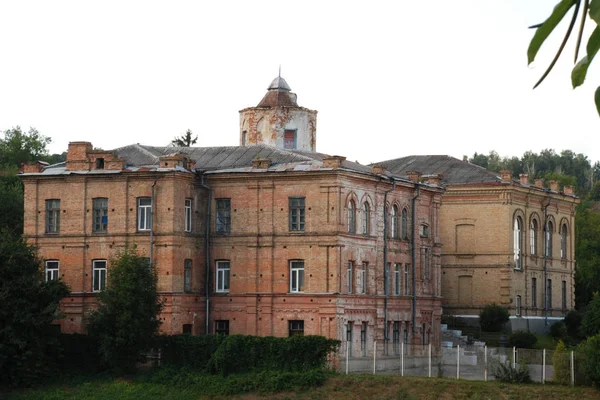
(289, 139)
(99, 163)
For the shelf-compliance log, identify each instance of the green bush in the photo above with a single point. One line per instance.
(590, 324)
(522, 339)
(236, 354)
(79, 354)
(493, 318)
(591, 359)
(558, 331)
(507, 374)
(560, 361)
(573, 324)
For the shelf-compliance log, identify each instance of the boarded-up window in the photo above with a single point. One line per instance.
(465, 290)
(289, 139)
(464, 239)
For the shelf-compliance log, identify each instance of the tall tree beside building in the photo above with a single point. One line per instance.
(18, 147)
(28, 345)
(126, 320)
(185, 140)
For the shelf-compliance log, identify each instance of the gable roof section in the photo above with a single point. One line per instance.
(455, 171)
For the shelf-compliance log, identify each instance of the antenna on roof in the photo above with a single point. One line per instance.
(280, 70)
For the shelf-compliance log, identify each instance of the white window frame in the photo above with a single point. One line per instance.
(397, 279)
(518, 306)
(563, 242)
(188, 215)
(99, 267)
(297, 276)
(363, 278)
(406, 276)
(223, 275)
(144, 214)
(548, 241)
(52, 268)
(349, 277)
(533, 237)
(518, 242)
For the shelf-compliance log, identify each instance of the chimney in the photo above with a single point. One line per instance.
(539, 183)
(333, 161)
(553, 186)
(261, 163)
(377, 169)
(569, 190)
(435, 179)
(33, 167)
(414, 176)
(524, 179)
(506, 175)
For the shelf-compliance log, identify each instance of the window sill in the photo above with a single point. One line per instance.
(518, 269)
(222, 292)
(103, 233)
(52, 233)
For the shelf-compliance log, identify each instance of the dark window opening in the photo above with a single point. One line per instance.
(99, 163)
(297, 213)
(222, 327)
(223, 223)
(289, 139)
(187, 329)
(297, 328)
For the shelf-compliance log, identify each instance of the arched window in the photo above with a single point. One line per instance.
(366, 219)
(351, 217)
(404, 223)
(563, 242)
(395, 222)
(548, 246)
(533, 237)
(518, 242)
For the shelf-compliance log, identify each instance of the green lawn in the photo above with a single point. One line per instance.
(352, 387)
(545, 342)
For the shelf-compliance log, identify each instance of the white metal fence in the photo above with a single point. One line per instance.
(461, 362)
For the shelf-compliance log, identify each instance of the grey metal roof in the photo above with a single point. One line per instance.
(279, 84)
(455, 171)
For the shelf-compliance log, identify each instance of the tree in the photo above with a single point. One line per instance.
(560, 360)
(11, 204)
(126, 320)
(590, 324)
(18, 147)
(185, 140)
(543, 30)
(493, 318)
(587, 249)
(28, 347)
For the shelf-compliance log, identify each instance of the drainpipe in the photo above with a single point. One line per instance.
(414, 257)
(207, 252)
(386, 271)
(152, 225)
(546, 244)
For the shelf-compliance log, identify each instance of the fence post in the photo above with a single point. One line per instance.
(402, 359)
(514, 357)
(430, 360)
(458, 361)
(572, 369)
(485, 366)
(374, 356)
(347, 351)
(544, 367)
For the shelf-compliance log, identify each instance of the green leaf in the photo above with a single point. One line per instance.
(595, 10)
(597, 99)
(542, 33)
(580, 70)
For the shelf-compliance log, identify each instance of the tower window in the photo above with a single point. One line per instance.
(99, 163)
(243, 138)
(289, 139)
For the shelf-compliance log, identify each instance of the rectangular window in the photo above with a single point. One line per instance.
(396, 337)
(564, 295)
(296, 276)
(349, 277)
(187, 275)
(243, 138)
(406, 279)
(424, 231)
(188, 215)
(223, 268)
(425, 262)
(144, 213)
(223, 223)
(186, 329)
(52, 216)
(518, 306)
(297, 213)
(297, 328)
(397, 279)
(349, 337)
(51, 270)
(222, 327)
(289, 139)
(98, 275)
(534, 292)
(363, 278)
(549, 293)
(100, 217)
(363, 339)
(406, 335)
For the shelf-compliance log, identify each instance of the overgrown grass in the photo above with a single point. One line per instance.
(545, 342)
(173, 384)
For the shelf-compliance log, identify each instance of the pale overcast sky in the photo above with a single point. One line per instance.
(389, 78)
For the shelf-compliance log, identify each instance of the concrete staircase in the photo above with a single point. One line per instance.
(453, 337)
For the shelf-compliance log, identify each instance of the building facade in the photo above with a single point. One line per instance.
(506, 241)
(253, 239)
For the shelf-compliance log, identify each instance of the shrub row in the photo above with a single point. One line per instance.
(240, 354)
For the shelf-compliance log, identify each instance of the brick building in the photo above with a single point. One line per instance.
(266, 238)
(505, 241)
